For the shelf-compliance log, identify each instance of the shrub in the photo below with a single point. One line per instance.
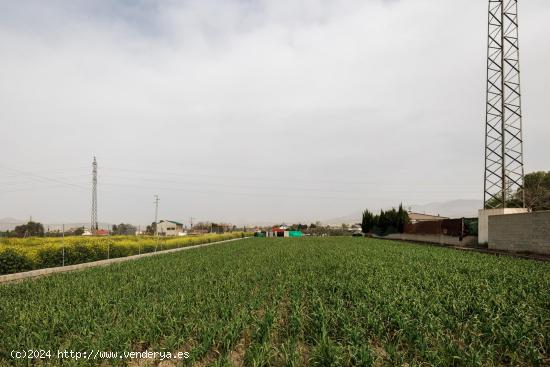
(17, 255)
(13, 261)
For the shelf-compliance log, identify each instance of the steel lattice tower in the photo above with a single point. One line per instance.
(503, 130)
(94, 226)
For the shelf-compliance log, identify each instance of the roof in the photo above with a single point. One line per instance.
(172, 221)
(420, 217)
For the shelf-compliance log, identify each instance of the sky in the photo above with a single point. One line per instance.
(249, 111)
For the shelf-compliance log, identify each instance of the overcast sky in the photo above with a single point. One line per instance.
(247, 111)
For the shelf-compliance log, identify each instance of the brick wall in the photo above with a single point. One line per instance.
(525, 232)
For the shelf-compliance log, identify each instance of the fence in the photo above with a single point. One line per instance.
(448, 227)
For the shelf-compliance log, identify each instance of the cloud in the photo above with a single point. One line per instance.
(252, 110)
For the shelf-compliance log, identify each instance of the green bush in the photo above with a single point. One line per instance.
(13, 261)
(50, 256)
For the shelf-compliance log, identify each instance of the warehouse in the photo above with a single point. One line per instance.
(170, 228)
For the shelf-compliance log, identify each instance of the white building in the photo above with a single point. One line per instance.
(170, 228)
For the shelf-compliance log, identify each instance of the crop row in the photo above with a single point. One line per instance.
(292, 302)
(17, 255)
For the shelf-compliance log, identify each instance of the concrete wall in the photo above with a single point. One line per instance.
(526, 232)
(483, 223)
(434, 238)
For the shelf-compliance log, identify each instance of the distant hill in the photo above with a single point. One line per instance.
(348, 219)
(452, 209)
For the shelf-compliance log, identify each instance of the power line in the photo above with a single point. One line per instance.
(43, 177)
(270, 179)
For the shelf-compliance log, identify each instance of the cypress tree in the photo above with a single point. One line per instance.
(367, 222)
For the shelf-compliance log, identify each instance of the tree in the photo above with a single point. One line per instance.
(389, 221)
(124, 229)
(77, 231)
(367, 222)
(29, 229)
(382, 222)
(402, 219)
(537, 193)
(297, 227)
(150, 230)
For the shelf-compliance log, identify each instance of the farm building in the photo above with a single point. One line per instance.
(98, 232)
(170, 228)
(419, 217)
(280, 232)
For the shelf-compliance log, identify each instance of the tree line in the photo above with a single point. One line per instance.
(36, 229)
(386, 222)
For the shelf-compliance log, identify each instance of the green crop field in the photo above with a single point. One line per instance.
(291, 302)
(24, 254)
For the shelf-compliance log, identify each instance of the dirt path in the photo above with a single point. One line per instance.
(8, 278)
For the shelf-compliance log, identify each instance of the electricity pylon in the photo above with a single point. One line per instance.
(504, 173)
(94, 225)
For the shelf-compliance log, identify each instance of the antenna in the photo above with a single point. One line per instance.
(504, 172)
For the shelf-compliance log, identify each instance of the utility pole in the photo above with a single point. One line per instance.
(63, 248)
(191, 222)
(156, 213)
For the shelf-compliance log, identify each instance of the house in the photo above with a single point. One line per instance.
(418, 217)
(279, 231)
(101, 232)
(97, 232)
(170, 228)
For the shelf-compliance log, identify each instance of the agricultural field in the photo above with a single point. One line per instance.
(332, 301)
(23, 254)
